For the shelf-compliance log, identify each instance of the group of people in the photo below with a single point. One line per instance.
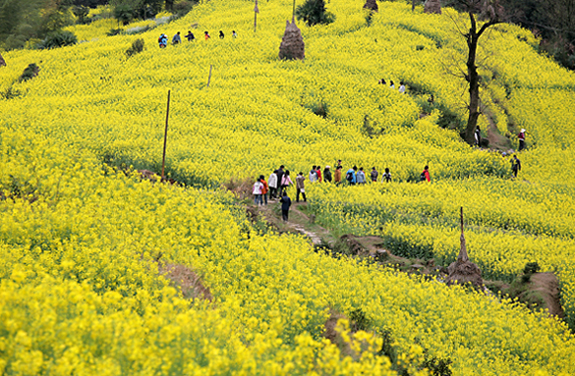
(279, 180)
(392, 85)
(163, 39)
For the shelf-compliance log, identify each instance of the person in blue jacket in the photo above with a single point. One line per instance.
(350, 175)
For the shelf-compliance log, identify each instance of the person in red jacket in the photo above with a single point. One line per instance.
(425, 174)
(318, 171)
(265, 190)
(521, 137)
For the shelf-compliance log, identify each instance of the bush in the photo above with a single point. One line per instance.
(113, 32)
(31, 71)
(57, 39)
(183, 7)
(81, 12)
(313, 12)
(137, 47)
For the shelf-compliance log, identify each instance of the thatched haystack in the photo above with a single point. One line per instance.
(2, 61)
(463, 271)
(371, 5)
(432, 6)
(292, 46)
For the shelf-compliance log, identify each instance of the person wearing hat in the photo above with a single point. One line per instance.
(327, 174)
(521, 137)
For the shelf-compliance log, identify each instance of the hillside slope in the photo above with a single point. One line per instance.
(79, 240)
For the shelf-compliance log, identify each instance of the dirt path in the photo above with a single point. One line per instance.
(298, 222)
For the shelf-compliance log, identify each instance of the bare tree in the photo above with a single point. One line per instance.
(482, 15)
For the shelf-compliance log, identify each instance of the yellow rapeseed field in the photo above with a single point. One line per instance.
(82, 243)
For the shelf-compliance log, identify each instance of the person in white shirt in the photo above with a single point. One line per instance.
(401, 87)
(257, 191)
(273, 184)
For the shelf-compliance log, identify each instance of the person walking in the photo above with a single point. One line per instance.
(300, 188)
(257, 191)
(234, 34)
(425, 174)
(337, 175)
(313, 174)
(163, 41)
(386, 177)
(515, 165)
(265, 190)
(360, 177)
(374, 175)
(327, 174)
(177, 39)
(350, 175)
(189, 36)
(401, 87)
(286, 181)
(318, 172)
(391, 85)
(477, 136)
(521, 137)
(286, 203)
(280, 175)
(273, 184)
(206, 35)
(221, 34)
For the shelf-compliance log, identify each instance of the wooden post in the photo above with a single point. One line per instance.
(256, 11)
(210, 75)
(165, 137)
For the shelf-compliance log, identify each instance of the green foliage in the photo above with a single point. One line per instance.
(530, 269)
(183, 7)
(55, 15)
(57, 39)
(31, 71)
(127, 10)
(137, 47)
(358, 321)
(313, 12)
(19, 20)
(81, 13)
(9, 93)
(437, 366)
(319, 108)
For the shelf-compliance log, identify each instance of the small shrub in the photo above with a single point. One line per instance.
(313, 12)
(358, 321)
(113, 32)
(9, 93)
(319, 108)
(530, 269)
(438, 367)
(183, 7)
(31, 71)
(137, 47)
(57, 39)
(81, 12)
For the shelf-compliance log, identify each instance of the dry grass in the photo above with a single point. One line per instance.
(241, 188)
(187, 280)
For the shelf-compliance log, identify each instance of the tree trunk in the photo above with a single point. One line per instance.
(472, 78)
